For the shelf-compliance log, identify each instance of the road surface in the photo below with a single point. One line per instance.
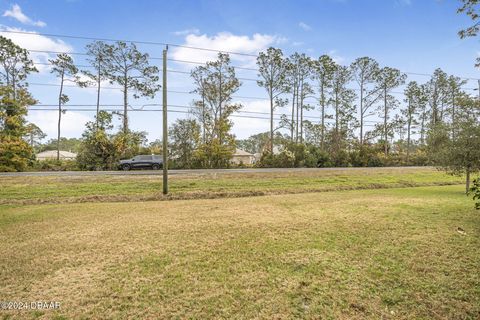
(184, 172)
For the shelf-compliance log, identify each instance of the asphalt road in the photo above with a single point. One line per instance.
(182, 172)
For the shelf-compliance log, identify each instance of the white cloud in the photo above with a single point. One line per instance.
(304, 26)
(72, 125)
(225, 41)
(16, 13)
(33, 41)
(248, 123)
(186, 31)
(255, 105)
(337, 58)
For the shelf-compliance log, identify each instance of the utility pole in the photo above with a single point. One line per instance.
(165, 124)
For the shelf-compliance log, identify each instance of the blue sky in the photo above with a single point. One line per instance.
(411, 35)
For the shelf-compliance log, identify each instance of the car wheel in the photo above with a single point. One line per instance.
(155, 166)
(126, 167)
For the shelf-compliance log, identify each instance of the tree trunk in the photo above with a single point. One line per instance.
(337, 118)
(434, 106)
(293, 112)
(14, 86)
(7, 76)
(271, 120)
(385, 131)
(59, 116)
(301, 116)
(297, 113)
(322, 104)
(361, 113)
(203, 117)
(409, 125)
(422, 129)
(98, 94)
(453, 115)
(220, 120)
(467, 180)
(125, 104)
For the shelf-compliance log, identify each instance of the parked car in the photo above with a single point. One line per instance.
(141, 162)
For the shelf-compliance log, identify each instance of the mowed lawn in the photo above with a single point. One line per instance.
(64, 189)
(384, 253)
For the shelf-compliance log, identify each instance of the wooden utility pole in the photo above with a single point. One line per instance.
(165, 124)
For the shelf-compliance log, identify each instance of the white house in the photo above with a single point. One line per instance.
(52, 154)
(242, 157)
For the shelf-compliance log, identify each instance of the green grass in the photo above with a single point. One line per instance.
(58, 189)
(391, 254)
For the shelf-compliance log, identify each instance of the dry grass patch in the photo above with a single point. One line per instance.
(346, 255)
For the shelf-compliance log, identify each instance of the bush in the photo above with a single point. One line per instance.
(340, 159)
(366, 156)
(475, 189)
(299, 153)
(316, 158)
(213, 155)
(4, 168)
(15, 154)
(54, 165)
(419, 158)
(285, 159)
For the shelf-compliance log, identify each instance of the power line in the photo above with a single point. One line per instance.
(239, 78)
(203, 63)
(119, 88)
(173, 71)
(170, 105)
(131, 41)
(159, 110)
(307, 100)
(151, 58)
(176, 71)
(167, 44)
(139, 110)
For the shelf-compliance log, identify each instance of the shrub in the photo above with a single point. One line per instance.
(340, 159)
(475, 189)
(54, 165)
(318, 158)
(285, 159)
(15, 154)
(419, 158)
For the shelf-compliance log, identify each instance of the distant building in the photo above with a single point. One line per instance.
(277, 150)
(242, 157)
(52, 154)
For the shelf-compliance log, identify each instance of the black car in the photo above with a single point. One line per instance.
(142, 161)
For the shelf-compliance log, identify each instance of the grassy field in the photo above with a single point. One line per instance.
(62, 189)
(391, 254)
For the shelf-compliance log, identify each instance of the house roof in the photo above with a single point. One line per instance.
(53, 154)
(240, 152)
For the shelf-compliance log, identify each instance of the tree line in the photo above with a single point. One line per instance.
(342, 98)
(118, 63)
(435, 124)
